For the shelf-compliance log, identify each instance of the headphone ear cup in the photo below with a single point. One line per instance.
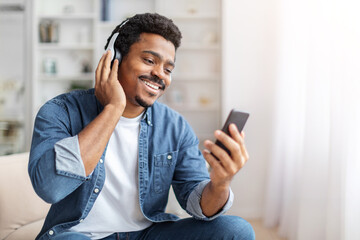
(117, 55)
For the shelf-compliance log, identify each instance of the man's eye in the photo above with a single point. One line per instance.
(168, 70)
(149, 61)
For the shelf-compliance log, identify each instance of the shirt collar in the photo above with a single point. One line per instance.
(148, 116)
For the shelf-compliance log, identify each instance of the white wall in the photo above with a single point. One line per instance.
(249, 32)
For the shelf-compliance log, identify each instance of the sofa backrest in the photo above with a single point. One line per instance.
(19, 204)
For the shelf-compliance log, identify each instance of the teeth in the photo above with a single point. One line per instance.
(151, 85)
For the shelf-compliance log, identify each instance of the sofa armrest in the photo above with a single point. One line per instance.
(19, 204)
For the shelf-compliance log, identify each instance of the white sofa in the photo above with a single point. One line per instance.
(22, 212)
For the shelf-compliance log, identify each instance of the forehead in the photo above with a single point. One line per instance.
(156, 43)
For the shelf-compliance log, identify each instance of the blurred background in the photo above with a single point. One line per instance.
(293, 65)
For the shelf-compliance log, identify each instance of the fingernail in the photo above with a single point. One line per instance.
(217, 133)
(205, 151)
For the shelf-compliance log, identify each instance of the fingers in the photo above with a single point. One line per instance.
(223, 158)
(235, 144)
(99, 69)
(213, 162)
(103, 69)
(106, 67)
(114, 71)
(239, 138)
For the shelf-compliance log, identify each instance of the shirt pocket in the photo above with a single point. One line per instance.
(164, 170)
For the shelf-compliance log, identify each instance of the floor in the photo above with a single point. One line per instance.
(263, 233)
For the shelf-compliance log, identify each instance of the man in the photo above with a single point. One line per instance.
(105, 158)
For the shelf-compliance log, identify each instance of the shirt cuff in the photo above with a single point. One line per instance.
(68, 158)
(193, 203)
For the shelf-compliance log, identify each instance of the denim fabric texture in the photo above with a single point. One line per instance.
(168, 155)
(221, 228)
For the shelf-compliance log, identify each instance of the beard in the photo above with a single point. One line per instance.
(142, 102)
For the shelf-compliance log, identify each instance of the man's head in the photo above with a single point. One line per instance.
(130, 29)
(147, 43)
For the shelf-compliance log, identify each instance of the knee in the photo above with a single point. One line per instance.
(235, 228)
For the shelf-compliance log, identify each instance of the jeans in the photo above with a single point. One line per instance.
(223, 227)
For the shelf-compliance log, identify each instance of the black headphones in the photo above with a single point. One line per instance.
(115, 53)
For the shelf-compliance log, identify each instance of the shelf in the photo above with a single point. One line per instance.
(206, 17)
(7, 120)
(80, 77)
(78, 16)
(66, 46)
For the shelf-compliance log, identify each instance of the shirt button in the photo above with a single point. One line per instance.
(149, 122)
(51, 232)
(101, 161)
(96, 190)
(169, 157)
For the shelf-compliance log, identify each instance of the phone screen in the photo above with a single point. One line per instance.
(239, 119)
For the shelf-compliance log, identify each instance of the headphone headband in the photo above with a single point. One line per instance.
(115, 54)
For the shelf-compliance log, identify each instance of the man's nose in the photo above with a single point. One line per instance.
(159, 72)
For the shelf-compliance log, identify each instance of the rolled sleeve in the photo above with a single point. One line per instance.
(68, 158)
(193, 203)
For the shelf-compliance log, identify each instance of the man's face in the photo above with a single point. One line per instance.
(145, 72)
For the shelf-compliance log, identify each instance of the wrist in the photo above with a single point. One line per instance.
(219, 187)
(115, 111)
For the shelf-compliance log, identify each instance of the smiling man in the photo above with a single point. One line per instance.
(105, 158)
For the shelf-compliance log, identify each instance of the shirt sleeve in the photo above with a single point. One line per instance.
(68, 157)
(193, 203)
(55, 166)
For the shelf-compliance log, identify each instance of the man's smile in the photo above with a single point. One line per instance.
(151, 85)
(154, 85)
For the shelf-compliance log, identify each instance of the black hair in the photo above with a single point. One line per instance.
(131, 28)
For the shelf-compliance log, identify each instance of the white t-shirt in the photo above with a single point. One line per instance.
(117, 208)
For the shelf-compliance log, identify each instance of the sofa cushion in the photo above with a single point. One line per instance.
(26, 232)
(19, 204)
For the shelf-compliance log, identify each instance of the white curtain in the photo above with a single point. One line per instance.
(313, 188)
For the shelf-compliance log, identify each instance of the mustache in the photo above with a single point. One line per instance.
(154, 79)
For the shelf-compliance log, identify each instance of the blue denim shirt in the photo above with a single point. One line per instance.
(168, 155)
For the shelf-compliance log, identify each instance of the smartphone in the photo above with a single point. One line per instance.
(237, 117)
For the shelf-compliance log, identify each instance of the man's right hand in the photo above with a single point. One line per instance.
(108, 89)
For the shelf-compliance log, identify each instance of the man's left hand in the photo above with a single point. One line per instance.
(226, 166)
